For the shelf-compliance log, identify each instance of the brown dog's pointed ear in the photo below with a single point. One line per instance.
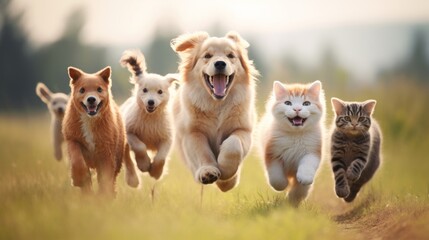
(237, 38)
(43, 92)
(74, 73)
(188, 41)
(105, 74)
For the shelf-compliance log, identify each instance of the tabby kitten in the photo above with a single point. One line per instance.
(355, 149)
(291, 137)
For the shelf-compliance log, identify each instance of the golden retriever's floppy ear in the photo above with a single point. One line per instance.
(43, 92)
(105, 74)
(188, 41)
(237, 38)
(74, 74)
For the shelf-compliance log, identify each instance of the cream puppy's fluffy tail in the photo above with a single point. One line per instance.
(134, 61)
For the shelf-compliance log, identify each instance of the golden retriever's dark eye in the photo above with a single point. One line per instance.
(208, 55)
(99, 89)
(82, 90)
(159, 91)
(231, 55)
(145, 90)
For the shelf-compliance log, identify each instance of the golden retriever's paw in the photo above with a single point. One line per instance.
(156, 169)
(227, 185)
(207, 174)
(132, 179)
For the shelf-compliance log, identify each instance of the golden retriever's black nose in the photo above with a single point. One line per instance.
(220, 65)
(91, 100)
(150, 102)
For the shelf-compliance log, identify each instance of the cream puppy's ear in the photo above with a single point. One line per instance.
(43, 92)
(172, 77)
(188, 41)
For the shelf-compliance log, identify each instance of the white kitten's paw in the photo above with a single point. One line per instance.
(207, 174)
(304, 178)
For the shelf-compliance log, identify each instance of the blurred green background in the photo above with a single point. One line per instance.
(356, 56)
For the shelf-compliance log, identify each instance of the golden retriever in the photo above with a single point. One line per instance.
(214, 109)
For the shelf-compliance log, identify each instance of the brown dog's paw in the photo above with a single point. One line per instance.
(207, 174)
(156, 169)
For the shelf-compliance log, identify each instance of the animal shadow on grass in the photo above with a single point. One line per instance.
(357, 211)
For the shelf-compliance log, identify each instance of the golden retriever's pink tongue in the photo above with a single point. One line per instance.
(219, 83)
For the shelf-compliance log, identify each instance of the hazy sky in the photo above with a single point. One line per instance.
(133, 22)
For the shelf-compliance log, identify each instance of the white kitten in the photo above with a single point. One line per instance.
(291, 137)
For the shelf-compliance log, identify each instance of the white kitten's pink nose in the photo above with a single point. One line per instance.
(297, 109)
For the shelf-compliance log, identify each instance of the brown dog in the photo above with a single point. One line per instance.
(95, 133)
(214, 108)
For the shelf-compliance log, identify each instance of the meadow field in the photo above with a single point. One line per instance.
(37, 200)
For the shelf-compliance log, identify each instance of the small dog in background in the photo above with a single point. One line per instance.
(147, 118)
(56, 103)
(95, 133)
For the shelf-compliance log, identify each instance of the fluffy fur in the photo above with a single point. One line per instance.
(94, 132)
(56, 103)
(214, 108)
(291, 137)
(355, 146)
(146, 114)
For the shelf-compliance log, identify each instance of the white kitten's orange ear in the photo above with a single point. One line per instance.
(74, 74)
(338, 105)
(105, 74)
(237, 38)
(43, 92)
(188, 41)
(369, 106)
(314, 89)
(279, 90)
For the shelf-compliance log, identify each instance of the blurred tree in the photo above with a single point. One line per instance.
(160, 58)
(52, 60)
(417, 65)
(17, 79)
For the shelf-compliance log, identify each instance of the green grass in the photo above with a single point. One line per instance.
(37, 200)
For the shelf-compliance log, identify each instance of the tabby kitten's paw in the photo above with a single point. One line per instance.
(353, 173)
(342, 191)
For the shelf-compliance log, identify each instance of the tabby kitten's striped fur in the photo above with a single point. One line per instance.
(355, 146)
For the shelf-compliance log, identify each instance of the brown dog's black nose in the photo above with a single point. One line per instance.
(150, 102)
(220, 65)
(91, 100)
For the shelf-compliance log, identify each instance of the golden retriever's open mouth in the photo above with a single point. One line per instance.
(219, 84)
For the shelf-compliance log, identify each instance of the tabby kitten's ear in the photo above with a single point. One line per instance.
(369, 106)
(279, 90)
(338, 105)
